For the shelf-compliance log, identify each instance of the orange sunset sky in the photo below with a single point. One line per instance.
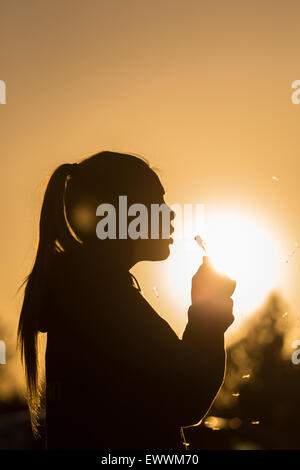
(201, 89)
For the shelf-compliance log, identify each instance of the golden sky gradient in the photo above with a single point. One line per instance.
(202, 89)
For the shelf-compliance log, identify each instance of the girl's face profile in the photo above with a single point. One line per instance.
(135, 227)
(157, 246)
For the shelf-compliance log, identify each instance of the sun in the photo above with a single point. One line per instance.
(239, 245)
(245, 249)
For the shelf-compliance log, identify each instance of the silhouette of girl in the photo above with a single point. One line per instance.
(117, 375)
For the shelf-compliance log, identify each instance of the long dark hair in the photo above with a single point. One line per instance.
(101, 174)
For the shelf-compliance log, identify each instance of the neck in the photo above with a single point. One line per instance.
(108, 258)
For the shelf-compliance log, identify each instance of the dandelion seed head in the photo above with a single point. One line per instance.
(200, 242)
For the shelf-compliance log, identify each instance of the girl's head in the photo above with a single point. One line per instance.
(109, 199)
(82, 211)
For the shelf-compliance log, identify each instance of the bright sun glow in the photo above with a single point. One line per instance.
(238, 245)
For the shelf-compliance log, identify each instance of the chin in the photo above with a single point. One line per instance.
(159, 251)
(153, 250)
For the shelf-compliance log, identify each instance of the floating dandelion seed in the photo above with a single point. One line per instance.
(293, 251)
(285, 314)
(155, 291)
(235, 394)
(246, 376)
(255, 422)
(274, 178)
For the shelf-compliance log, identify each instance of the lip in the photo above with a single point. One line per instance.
(171, 240)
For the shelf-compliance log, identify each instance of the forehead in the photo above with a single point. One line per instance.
(151, 188)
(157, 184)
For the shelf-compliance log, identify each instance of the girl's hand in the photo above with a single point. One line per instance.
(209, 285)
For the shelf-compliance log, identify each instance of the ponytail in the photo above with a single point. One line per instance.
(54, 235)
